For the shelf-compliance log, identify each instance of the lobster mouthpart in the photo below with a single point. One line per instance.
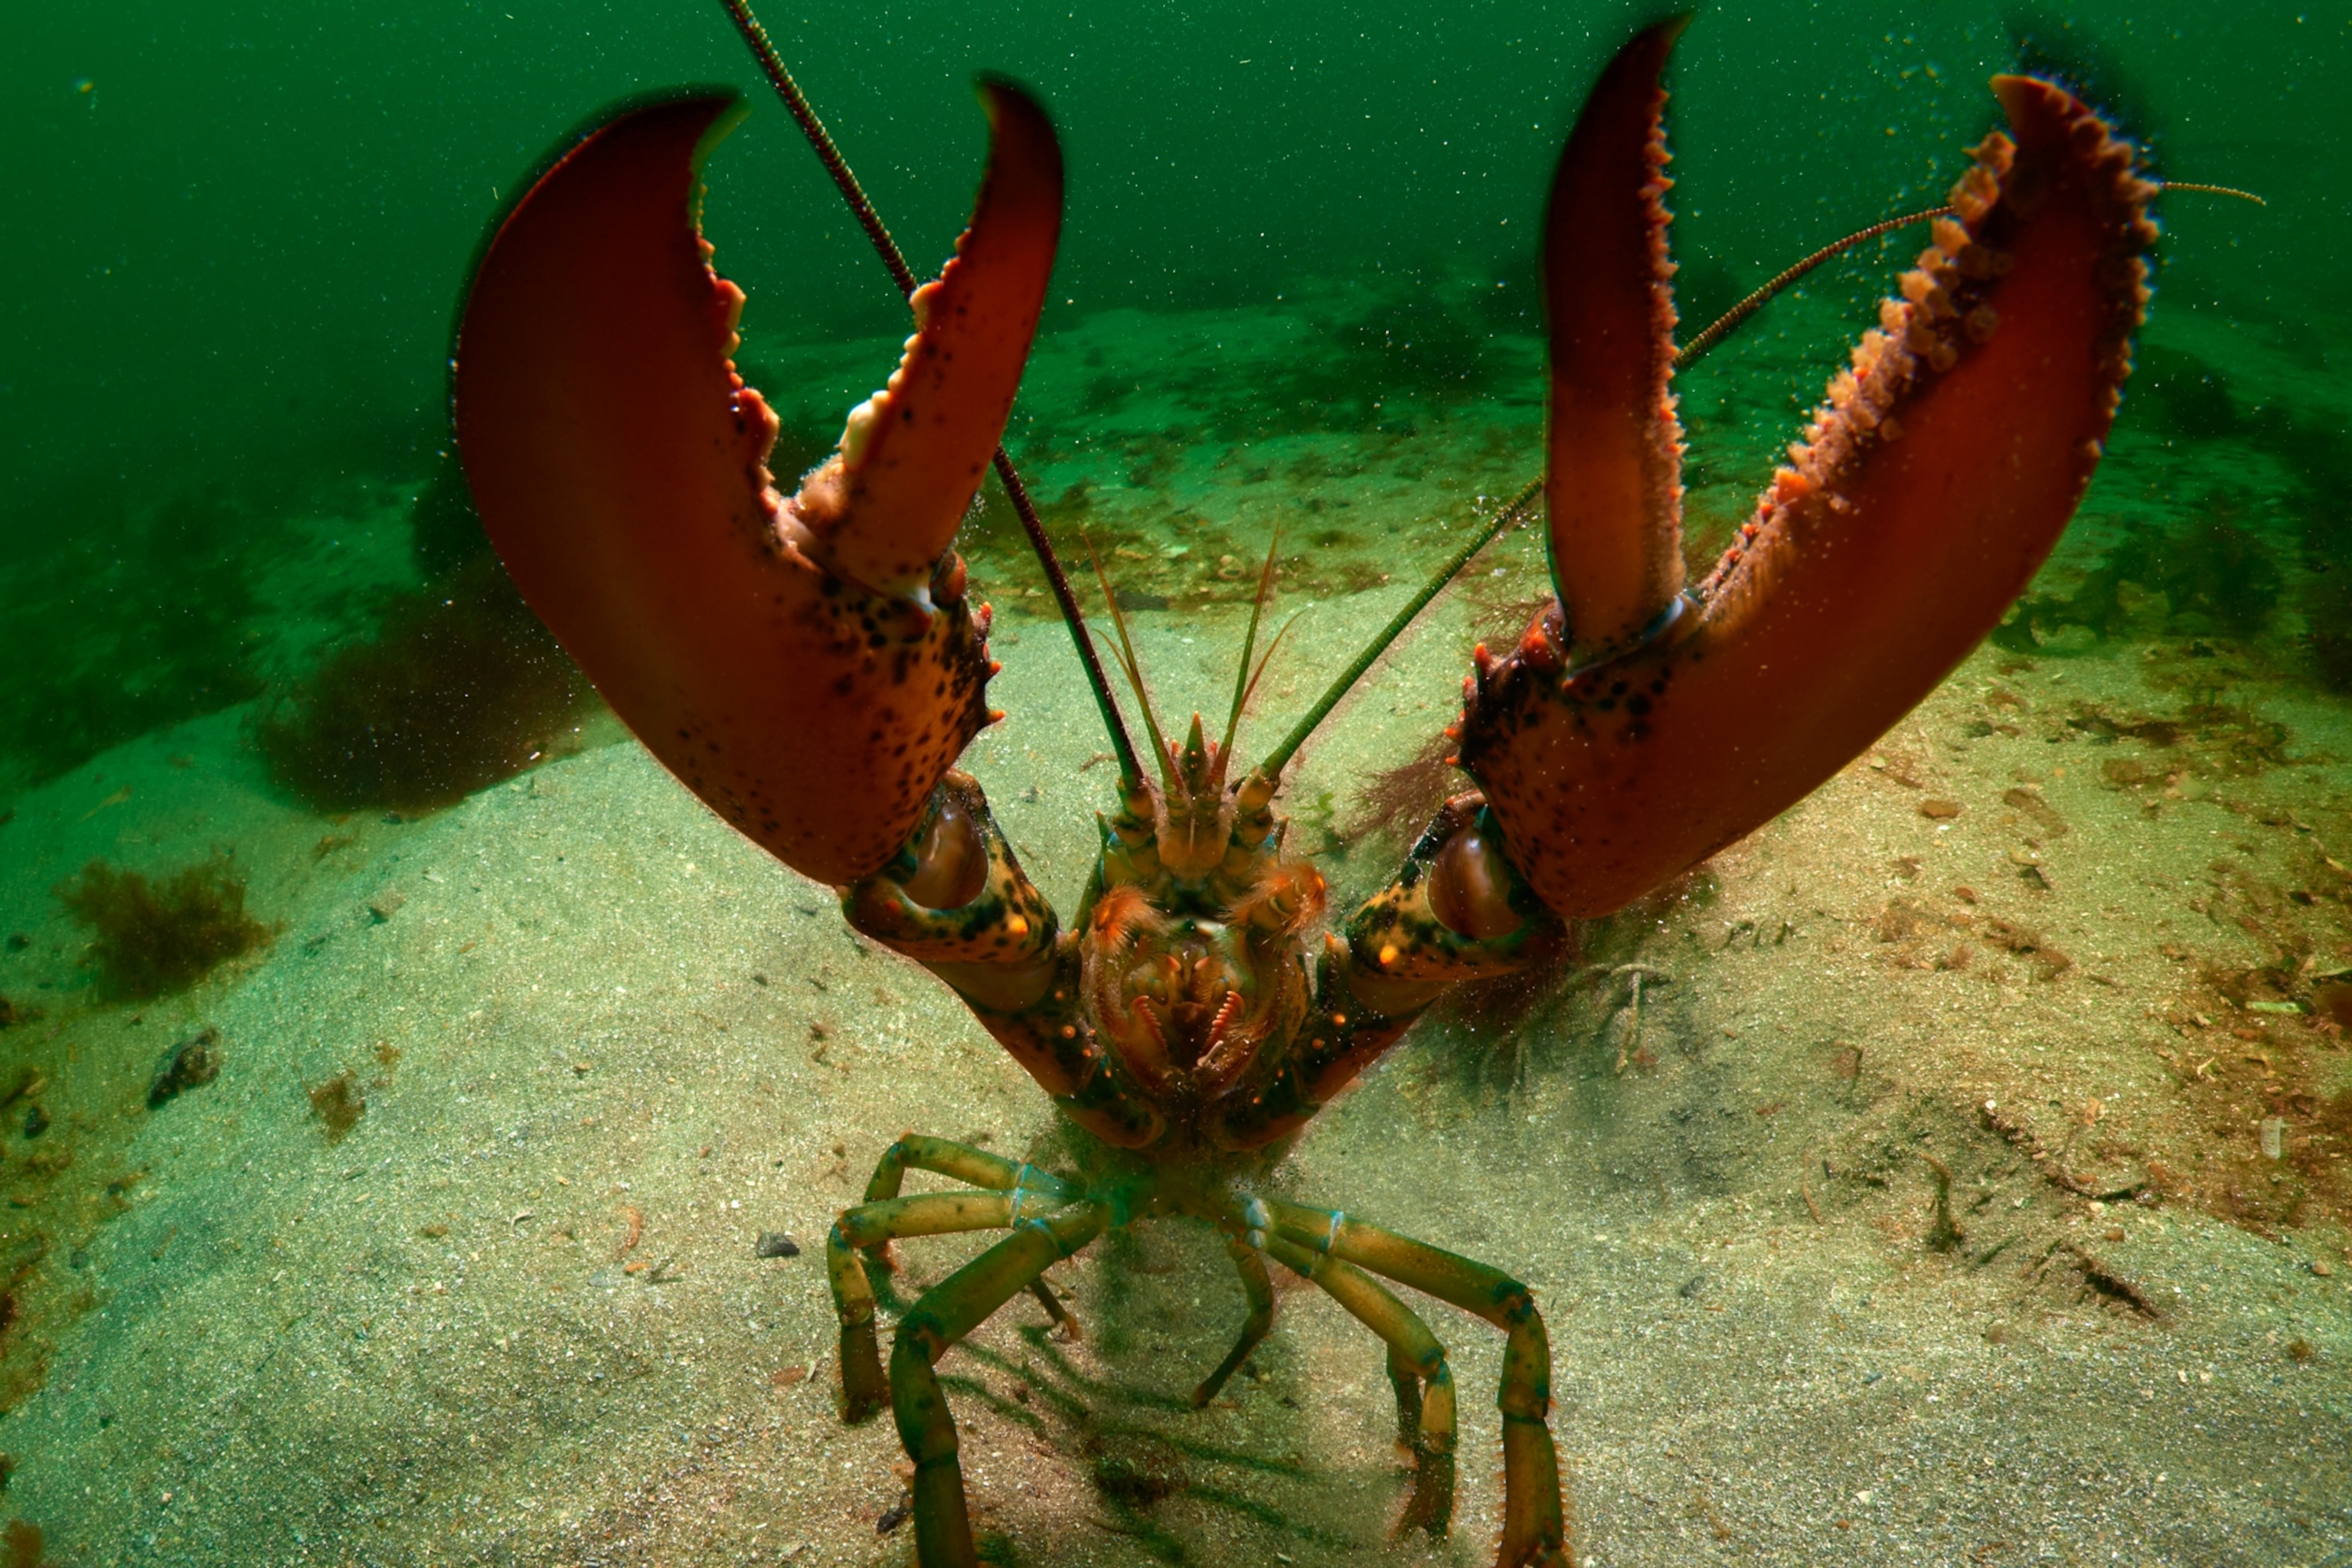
(1933, 482)
(809, 669)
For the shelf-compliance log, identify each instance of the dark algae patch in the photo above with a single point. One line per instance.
(123, 620)
(24, 1544)
(461, 687)
(153, 937)
(339, 1104)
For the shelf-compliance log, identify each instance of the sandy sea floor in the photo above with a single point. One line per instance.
(1918, 1210)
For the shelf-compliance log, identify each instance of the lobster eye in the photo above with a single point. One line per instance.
(951, 860)
(1470, 887)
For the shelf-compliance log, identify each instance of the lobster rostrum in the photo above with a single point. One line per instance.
(810, 666)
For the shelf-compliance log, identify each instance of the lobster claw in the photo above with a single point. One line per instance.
(809, 667)
(1638, 728)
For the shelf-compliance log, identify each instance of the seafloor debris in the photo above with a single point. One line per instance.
(149, 938)
(461, 687)
(776, 1243)
(339, 1104)
(193, 1063)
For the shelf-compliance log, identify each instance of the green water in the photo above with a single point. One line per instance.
(1298, 284)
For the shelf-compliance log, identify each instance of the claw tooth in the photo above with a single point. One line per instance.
(860, 428)
(996, 715)
(1537, 650)
(921, 300)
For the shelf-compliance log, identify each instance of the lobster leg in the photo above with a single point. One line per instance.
(958, 1305)
(1534, 1524)
(1424, 1387)
(976, 1167)
(867, 1228)
(981, 1170)
(1260, 1291)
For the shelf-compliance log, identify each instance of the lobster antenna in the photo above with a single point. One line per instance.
(1127, 658)
(2211, 190)
(1697, 349)
(819, 141)
(1243, 679)
(1513, 512)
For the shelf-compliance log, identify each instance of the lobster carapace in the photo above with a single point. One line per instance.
(810, 666)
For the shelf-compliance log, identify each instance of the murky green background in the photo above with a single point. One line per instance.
(237, 231)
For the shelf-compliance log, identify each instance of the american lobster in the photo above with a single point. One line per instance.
(812, 667)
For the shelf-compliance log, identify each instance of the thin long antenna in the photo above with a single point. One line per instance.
(1242, 681)
(2212, 190)
(1698, 348)
(1128, 660)
(772, 64)
(1516, 509)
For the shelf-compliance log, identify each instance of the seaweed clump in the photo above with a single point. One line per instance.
(2216, 577)
(339, 1104)
(123, 620)
(148, 937)
(460, 688)
(2327, 607)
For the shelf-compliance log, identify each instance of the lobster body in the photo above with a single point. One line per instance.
(812, 667)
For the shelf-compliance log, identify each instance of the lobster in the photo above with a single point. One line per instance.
(811, 666)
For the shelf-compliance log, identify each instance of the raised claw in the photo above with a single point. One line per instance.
(811, 668)
(1637, 730)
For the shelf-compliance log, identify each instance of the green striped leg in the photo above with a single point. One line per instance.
(1260, 1291)
(1535, 1531)
(862, 1234)
(949, 1312)
(982, 1169)
(1417, 1367)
